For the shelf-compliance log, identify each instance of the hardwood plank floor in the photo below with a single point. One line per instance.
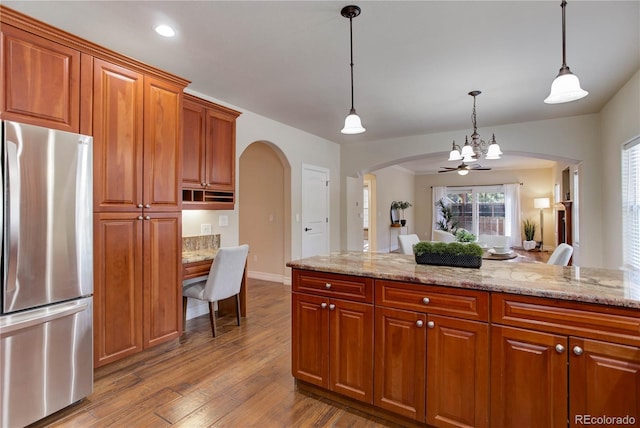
(242, 378)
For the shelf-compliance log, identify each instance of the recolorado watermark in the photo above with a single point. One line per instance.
(601, 420)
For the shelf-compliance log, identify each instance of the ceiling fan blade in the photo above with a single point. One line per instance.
(447, 170)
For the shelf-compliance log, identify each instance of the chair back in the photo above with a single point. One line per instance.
(406, 243)
(561, 255)
(443, 236)
(225, 276)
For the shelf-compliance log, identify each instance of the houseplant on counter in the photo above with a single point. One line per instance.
(448, 254)
(529, 231)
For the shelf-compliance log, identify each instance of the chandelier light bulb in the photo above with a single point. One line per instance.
(463, 172)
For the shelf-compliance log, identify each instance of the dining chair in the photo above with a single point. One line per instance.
(561, 255)
(443, 236)
(406, 242)
(224, 280)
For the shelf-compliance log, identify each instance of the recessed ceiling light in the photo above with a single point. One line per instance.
(165, 30)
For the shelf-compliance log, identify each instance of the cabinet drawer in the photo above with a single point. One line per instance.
(334, 285)
(196, 269)
(470, 304)
(571, 318)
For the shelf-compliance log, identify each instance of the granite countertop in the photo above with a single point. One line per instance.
(590, 285)
(199, 255)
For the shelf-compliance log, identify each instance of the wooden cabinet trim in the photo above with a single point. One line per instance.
(469, 304)
(31, 25)
(347, 287)
(576, 319)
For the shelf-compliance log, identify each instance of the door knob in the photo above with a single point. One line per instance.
(577, 350)
(559, 348)
(419, 323)
(323, 305)
(306, 229)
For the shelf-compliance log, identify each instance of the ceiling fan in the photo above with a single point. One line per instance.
(463, 168)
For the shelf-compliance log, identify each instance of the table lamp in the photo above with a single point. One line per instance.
(541, 204)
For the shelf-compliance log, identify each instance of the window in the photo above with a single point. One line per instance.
(631, 203)
(480, 209)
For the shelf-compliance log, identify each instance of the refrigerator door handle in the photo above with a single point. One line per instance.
(48, 316)
(12, 220)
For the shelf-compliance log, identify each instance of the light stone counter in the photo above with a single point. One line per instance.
(590, 285)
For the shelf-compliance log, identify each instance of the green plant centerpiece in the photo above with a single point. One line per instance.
(529, 227)
(463, 235)
(448, 254)
(401, 206)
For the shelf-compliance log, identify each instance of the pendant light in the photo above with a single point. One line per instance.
(566, 86)
(352, 124)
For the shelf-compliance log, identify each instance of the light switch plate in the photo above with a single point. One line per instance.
(205, 229)
(223, 220)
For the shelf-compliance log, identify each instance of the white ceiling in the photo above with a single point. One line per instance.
(415, 61)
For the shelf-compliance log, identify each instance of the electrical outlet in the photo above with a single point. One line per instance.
(205, 229)
(223, 221)
(255, 257)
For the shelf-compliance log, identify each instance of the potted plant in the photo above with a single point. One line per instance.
(447, 222)
(529, 232)
(463, 235)
(457, 254)
(403, 205)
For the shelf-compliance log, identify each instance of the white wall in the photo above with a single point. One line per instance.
(620, 123)
(393, 184)
(299, 147)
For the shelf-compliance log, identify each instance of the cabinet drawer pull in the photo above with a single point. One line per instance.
(140, 205)
(140, 217)
(323, 305)
(425, 300)
(147, 206)
(327, 286)
(419, 323)
(332, 307)
(431, 324)
(559, 348)
(577, 350)
(147, 218)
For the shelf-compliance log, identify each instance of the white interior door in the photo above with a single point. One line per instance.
(315, 210)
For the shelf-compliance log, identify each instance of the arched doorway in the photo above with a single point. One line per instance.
(265, 210)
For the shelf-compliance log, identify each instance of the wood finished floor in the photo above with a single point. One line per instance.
(242, 378)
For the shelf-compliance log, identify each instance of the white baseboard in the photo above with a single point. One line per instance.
(268, 276)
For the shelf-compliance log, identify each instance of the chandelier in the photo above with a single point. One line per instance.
(476, 148)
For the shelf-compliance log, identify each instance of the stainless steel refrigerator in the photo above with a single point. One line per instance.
(46, 311)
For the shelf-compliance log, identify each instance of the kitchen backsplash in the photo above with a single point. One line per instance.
(202, 242)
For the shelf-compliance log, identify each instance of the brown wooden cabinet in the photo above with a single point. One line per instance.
(40, 81)
(137, 301)
(563, 363)
(432, 356)
(528, 378)
(332, 339)
(136, 125)
(400, 362)
(209, 154)
(604, 379)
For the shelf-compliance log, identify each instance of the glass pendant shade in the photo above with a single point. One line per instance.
(352, 124)
(455, 155)
(467, 151)
(565, 88)
(493, 152)
(468, 159)
(463, 172)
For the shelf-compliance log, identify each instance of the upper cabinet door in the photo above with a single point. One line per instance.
(220, 151)
(193, 149)
(162, 145)
(40, 81)
(117, 138)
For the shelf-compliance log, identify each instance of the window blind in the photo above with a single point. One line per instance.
(631, 203)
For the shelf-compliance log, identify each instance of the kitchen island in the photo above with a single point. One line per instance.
(504, 345)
